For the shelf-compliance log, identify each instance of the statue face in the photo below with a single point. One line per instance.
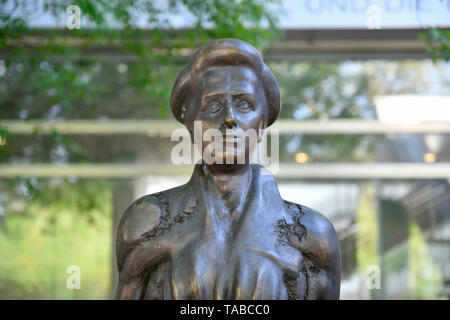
(231, 100)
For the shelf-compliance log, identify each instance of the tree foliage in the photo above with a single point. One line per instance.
(39, 240)
(56, 65)
(438, 43)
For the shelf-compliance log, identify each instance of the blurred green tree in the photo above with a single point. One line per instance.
(438, 43)
(55, 64)
(39, 240)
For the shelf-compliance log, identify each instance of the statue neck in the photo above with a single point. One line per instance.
(231, 183)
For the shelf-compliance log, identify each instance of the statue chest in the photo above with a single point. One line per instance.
(243, 257)
(240, 259)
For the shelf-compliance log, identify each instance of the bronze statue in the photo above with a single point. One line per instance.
(227, 233)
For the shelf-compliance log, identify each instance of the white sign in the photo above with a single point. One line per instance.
(304, 14)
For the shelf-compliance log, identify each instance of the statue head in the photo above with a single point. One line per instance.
(227, 87)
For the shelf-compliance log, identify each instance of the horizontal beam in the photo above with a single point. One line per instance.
(164, 128)
(365, 171)
(357, 126)
(76, 127)
(343, 44)
(286, 170)
(296, 44)
(91, 170)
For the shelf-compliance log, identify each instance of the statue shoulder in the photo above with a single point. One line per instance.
(145, 221)
(316, 235)
(149, 216)
(142, 216)
(316, 238)
(322, 233)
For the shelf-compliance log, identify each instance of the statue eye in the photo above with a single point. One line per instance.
(244, 105)
(214, 107)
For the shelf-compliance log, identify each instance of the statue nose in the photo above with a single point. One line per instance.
(230, 120)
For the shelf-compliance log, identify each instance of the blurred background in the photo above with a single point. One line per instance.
(85, 130)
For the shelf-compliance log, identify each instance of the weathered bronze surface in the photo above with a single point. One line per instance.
(227, 233)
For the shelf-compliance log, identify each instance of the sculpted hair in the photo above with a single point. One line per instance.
(224, 52)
